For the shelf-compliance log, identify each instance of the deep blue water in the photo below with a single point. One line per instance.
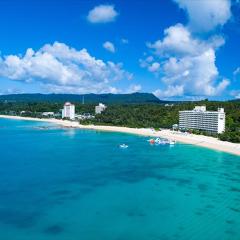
(71, 184)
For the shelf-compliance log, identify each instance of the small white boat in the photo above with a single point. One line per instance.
(160, 141)
(123, 146)
(172, 142)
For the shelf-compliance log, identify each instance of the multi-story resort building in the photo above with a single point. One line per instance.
(48, 114)
(100, 108)
(68, 111)
(201, 119)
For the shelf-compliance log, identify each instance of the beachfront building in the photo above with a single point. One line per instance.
(68, 111)
(175, 127)
(48, 114)
(201, 119)
(84, 116)
(100, 108)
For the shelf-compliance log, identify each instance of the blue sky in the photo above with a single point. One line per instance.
(168, 47)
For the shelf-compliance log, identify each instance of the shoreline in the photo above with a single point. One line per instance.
(197, 140)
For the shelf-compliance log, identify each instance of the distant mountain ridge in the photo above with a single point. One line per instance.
(235, 100)
(87, 98)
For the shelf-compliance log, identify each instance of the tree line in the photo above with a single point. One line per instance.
(135, 115)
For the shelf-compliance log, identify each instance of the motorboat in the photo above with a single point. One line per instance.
(151, 141)
(123, 146)
(171, 142)
(159, 141)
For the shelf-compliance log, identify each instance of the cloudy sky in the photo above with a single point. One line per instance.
(176, 49)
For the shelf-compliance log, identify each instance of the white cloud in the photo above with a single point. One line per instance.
(149, 59)
(109, 46)
(235, 94)
(124, 41)
(179, 41)
(10, 91)
(102, 14)
(237, 71)
(154, 67)
(188, 64)
(146, 63)
(52, 88)
(134, 88)
(195, 73)
(171, 91)
(205, 15)
(63, 67)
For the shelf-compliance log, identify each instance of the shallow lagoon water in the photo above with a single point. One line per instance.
(72, 184)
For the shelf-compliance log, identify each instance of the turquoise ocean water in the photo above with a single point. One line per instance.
(66, 184)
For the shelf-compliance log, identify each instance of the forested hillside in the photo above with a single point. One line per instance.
(136, 98)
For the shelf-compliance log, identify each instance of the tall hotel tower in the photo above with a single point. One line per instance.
(199, 118)
(68, 111)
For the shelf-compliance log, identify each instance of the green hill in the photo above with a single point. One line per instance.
(88, 98)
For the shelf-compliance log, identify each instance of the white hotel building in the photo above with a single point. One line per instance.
(68, 111)
(100, 108)
(201, 119)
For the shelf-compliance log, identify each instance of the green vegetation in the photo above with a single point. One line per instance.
(135, 115)
(35, 109)
(88, 98)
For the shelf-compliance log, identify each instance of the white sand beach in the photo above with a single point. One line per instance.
(199, 140)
